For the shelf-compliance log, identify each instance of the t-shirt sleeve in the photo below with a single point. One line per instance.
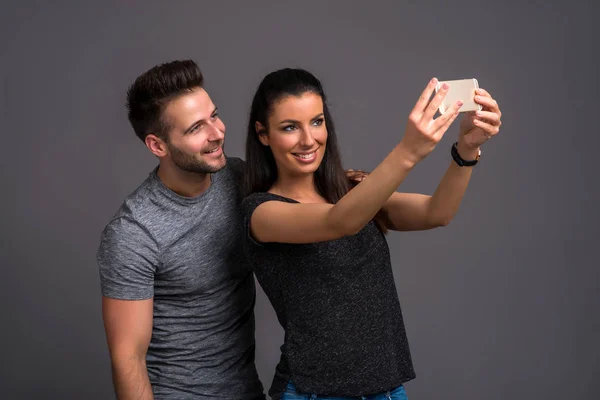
(127, 260)
(249, 204)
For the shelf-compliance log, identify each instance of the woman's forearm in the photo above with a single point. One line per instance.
(360, 205)
(447, 197)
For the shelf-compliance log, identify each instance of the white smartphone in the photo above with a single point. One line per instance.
(460, 89)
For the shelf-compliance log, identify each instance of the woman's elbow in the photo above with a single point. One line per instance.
(440, 222)
(437, 220)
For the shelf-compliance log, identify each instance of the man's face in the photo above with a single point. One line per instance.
(196, 135)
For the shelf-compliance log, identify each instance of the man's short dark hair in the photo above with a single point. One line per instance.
(151, 91)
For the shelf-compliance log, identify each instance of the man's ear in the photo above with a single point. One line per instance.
(156, 145)
(262, 133)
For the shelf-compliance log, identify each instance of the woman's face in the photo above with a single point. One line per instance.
(296, 134)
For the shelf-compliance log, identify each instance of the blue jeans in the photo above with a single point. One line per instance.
(291, 394)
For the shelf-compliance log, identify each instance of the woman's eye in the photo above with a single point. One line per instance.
(318, 122)
(289, 128)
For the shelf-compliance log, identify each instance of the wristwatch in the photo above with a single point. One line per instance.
(459, 160)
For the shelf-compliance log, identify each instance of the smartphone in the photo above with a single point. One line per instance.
(460, 89)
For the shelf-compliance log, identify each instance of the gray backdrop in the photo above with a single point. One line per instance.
(501, 303)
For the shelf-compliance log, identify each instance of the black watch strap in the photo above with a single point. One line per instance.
(459, 160)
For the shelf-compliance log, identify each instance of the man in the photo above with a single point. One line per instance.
(178, 296)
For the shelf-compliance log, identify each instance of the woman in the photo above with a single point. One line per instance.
(317, 245)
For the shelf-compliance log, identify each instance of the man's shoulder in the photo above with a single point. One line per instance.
(128, 253)
(233, 174)
(134, 209)
(236, 164)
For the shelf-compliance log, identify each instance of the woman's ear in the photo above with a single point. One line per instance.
(262, 133)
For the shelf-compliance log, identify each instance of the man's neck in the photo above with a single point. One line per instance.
(186, 184)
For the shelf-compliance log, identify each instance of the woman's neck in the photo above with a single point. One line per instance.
(300, 187)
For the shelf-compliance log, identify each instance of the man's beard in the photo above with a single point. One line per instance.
(189, 163)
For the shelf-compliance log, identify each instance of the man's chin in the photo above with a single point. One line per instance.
(203, 167)
(219, 164)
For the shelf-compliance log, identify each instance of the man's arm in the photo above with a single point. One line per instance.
(128, 326)
(127, 260)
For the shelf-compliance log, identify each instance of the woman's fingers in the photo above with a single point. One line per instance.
(446, 119)
(488, 116)
(446, 124)
(421, 104)
(490, 129)
(487, 102)
(434, 104)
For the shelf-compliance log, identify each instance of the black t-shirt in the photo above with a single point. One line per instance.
(338, 305)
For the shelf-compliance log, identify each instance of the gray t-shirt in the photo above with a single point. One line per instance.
(186, 253)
